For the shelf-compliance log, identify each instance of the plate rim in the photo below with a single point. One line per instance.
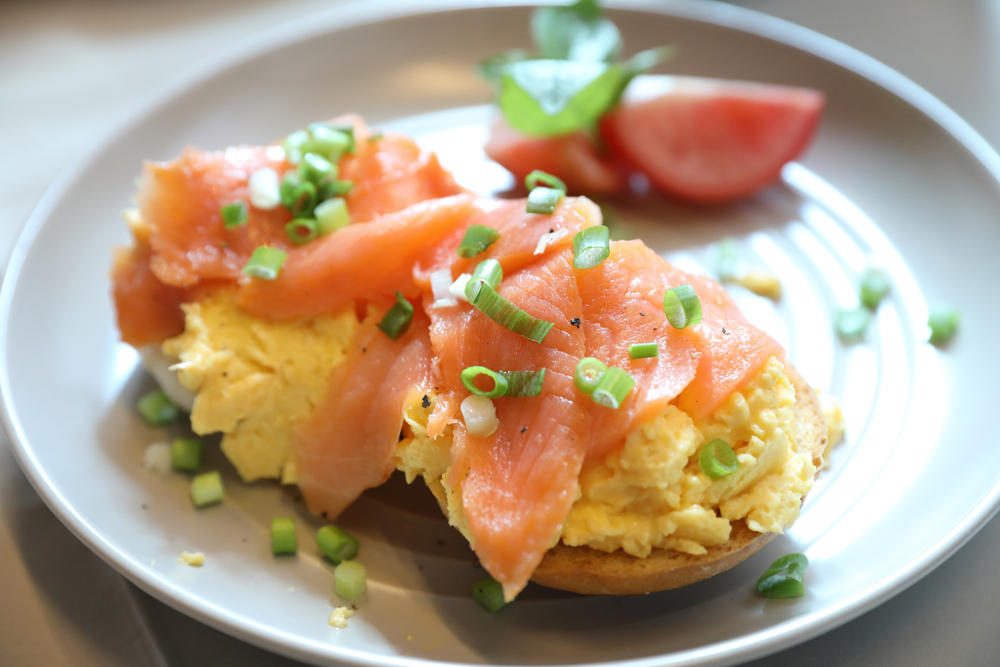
(748, 647)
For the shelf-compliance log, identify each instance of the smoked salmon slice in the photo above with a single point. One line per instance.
(348, 443)
(517, 484)
(363, 261)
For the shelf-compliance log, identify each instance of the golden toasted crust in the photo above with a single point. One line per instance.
(586, 570)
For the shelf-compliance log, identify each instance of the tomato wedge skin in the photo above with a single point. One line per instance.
(711, 140)
(571, 157)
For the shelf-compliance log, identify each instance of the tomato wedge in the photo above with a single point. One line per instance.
(571, 157)
(711, 140)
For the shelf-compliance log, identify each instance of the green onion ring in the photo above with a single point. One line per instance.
(283, 536)
(852, 323)
(234, 215)
(717, 459)
(507, 315)
(682, 306)
(477, 239)
(643, 350)
(398, 318)
(539, 177)
(591, 247)
(349, 580)
(874, 288)
(543, 200)
(588, 374)
(302, 230)
(489, 594)
(265, 262)
(489, 272)
(470, 374)
(784, 578)
(943, 322)
(523, 383)
(613, 388)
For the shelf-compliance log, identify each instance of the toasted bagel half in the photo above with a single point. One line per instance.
(592, 572)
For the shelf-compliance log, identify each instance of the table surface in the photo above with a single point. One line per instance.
(71, 71)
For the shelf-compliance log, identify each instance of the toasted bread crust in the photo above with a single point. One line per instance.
(592, 572)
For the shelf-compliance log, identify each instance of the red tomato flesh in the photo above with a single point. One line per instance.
(571, 157)
(711, 140)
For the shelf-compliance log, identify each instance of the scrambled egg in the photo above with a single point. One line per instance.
(338, 618)
(196, 559)
(256, 379)
(652, 493)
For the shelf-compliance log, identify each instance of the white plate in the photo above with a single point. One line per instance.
(893, 176)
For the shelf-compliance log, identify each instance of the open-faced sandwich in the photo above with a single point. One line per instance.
(586, 414)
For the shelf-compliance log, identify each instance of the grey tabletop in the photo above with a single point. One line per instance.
(71, 70)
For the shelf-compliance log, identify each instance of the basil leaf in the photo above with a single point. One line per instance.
(577, 32)
(544, 98)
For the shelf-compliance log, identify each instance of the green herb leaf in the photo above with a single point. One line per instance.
(576, 32)
(544, 98)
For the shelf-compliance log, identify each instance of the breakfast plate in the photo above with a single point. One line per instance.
(893, 178)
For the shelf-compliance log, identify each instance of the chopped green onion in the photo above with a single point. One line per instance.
(234, 215)
(589, 372)
(477, 239)
(292, 145)
(350, 580)
(874, 287)
(943, 322)
(591, 247)
(852, 323)
(335, 544)
(613, 388)
(728, 262)
(157, 409)
(395, 322)
(315, 168)
(303, 199)
(523, 383)
(265, 262)
(283, 536)
(302, 230)
(506, 314)
(489, 272)
(329, 189)
(643, 350)
(289, 183)
(717, 459)
(543, 200)
(784, 578)
(682, 306)
(328, 142)
(185, 454)
(470, 374)
(489, 594)
(538, 177)
(206, 489)
(331, 215)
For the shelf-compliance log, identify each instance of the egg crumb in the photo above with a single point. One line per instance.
(835, 425)
(196, 559)
(338, 618)
(761, 283)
